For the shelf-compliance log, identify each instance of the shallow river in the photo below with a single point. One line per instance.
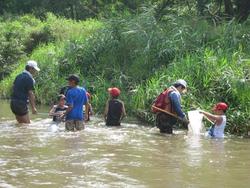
(130, 156)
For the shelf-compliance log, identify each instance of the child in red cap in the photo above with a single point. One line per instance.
(218, 118)
(115, 109)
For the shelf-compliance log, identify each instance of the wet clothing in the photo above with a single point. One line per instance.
(76, 97)
(115, 107)
(23, 83)
(19, 107)
(217, 131)
(165, 122)
(74, 125)
(58, 109)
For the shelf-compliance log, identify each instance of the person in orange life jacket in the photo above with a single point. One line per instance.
(22, 93)
(115, 109)
(219, 119)
(164, 121)
(90, 109)
(57, 110)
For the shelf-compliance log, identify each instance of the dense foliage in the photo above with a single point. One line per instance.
(141, 53)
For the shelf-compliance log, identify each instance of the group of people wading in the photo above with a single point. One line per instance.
(74, 107)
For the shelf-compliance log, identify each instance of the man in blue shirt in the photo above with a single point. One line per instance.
(76, 97)
(22, 93)
(164, 121)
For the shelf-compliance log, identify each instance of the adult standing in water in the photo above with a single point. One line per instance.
(115, 109)
(170, 101)
(22, 93)
(76, 97)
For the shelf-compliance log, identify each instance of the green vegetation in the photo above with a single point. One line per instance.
(142, 53)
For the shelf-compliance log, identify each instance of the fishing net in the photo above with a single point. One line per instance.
(195, 126)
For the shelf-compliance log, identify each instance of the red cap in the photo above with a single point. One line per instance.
(88, 95)
(221, 106)
(114, 91)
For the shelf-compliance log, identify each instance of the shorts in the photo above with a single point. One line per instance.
(165, 122)
(19, 107)
(72, 125)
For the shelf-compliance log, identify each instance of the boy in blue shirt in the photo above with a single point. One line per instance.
(76, 97)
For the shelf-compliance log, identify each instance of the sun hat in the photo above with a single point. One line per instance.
(73, 77)
(114, 91)
(32, 63)
(221, 106)
(181, 82)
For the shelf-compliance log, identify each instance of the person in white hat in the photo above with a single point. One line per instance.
(171, 103)
(22, 93)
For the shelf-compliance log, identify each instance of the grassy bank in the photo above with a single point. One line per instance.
(142, 56)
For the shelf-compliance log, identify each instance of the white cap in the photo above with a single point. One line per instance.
(33, 64)
(181, 82)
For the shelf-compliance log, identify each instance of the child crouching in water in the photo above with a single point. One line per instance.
(114, 110)
(57, 110)
(218, 118)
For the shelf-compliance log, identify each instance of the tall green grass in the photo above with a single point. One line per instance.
(143, 56)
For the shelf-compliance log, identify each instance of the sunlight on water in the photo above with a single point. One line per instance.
(195, 122)
(42, 154)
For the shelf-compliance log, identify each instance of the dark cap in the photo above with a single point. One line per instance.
(74, 77)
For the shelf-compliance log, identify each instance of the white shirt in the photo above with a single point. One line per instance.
(219, 129)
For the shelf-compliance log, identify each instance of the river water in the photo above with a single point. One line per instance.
(130, 156)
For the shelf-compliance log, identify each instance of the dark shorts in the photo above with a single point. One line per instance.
(72, 125)
(165, 122)
(19, 107)
(112, 123)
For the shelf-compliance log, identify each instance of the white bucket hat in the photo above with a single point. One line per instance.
(33, 64)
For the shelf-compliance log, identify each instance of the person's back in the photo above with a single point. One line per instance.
(218, 131)
(77, 97)
(114, 112)
(22, 84)
(115, 109)
(22, 93)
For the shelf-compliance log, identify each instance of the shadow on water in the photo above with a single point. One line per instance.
(42, 154)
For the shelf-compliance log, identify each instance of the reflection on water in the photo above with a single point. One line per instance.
(39, 155)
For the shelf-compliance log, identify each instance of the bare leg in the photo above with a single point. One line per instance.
(23, 119)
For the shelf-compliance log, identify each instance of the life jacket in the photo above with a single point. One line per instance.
(163, 101)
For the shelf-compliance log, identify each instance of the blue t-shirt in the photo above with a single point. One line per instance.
(23, 83)
(76, 97)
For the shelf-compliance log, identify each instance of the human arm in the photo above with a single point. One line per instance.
(32, 101)
(106, 110)
(176, 104)
(213, 118)
(123, 111)
(52, 110)
(86, 115)
(91, 109)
